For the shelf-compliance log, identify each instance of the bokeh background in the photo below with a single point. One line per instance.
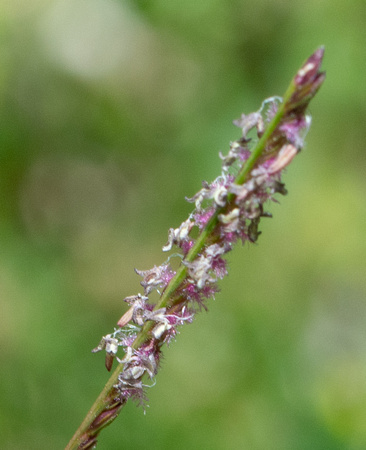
(111, 113)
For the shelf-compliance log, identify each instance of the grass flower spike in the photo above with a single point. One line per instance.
(226, 211)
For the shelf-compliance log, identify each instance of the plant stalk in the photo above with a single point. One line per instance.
(109, 403)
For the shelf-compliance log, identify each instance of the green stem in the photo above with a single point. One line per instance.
(104, 410)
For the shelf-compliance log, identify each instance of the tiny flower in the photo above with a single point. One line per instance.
(194, 294)
(179, 235)
(218, 264)
(110, 344)
(249, 121)
(241, 191)
(205, 265)
(219, 195)
(157, 315)
(295, 130)
(155, 277)
(136, 364)
(186, 246)
(201, 218)
(129, 356)
(217, 191)
(138, 303)
(237, 153)
(230, 217)
(199, 270)
(150, 363)
(132, 375)
(209, 291)
(135, 393)
(215, 250)
(200, 196)
(169, 323)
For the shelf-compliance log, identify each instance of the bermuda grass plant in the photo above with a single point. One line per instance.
(226, 211)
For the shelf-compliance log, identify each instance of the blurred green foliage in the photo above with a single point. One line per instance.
(111, 113)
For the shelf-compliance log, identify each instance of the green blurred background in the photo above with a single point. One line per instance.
(111, 113)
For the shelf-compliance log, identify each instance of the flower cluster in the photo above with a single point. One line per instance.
(240, 208)
(227, 210)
